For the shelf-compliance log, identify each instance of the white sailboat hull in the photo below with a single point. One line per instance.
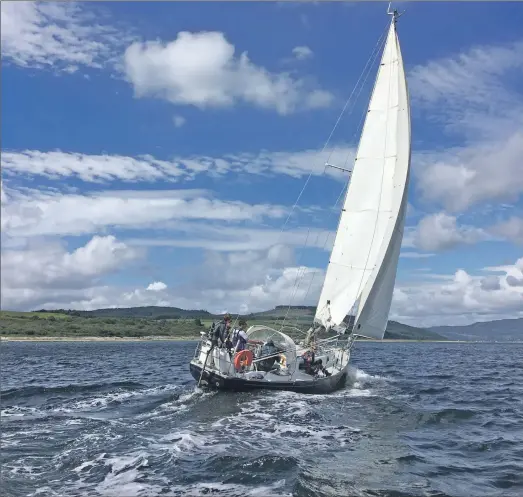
(214, 368)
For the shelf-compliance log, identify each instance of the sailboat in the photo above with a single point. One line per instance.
(357, 290)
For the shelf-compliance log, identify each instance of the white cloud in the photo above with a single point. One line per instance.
(50, 213)
(31, 274)
(201, 69)
(259, 280)
(157, 286)
(103, 168)
(415, 255)
(490, 283)
(512, 229)
(60, 35)
(462, 177)
(460, 298)
(279, 289)
(302, 52)
(250, 281)
(227, 238)
(440, 231)
(513, 281)
(58, 164)
(179, 121)
(472, 95)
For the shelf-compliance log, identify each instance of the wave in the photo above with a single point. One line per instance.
(32, 391)
(448, 415)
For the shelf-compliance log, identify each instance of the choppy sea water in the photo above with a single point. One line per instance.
(126, 419)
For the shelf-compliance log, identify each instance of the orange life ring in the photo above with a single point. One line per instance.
(243, 358)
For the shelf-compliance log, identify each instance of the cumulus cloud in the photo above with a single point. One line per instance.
(461, 298)
(440, 231)
(468, 93)
(302, 52)
(512, 229)
(62, 36)
(202, 69)
(157, 286)
(513, 281)
(247, 282)
(490, 283)
(33, 273)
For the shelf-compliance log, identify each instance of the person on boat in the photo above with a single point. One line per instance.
(227, 340)
(269, 349)
(220, 331)
(311, 365)
(239, 336)
(210, 334)
(308, 360)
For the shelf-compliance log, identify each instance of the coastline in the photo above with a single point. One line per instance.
(6, 338)
(20, 338)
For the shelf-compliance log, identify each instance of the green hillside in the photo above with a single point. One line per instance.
(168, 322)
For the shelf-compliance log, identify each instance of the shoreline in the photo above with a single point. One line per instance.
(23, 338)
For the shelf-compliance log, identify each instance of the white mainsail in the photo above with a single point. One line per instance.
(362, 267)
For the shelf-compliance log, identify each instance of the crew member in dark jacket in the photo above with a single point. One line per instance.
(221, 331)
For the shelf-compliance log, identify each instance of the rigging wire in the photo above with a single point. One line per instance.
(376, 51)
(371, 58)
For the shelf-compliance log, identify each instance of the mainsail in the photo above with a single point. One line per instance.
(362, 267)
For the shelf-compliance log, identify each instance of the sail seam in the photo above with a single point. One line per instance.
(397, 221)
(387, 123)
(371, 59)
(381, 43)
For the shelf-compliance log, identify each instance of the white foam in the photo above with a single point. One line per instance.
(103, 401)
(230, 489)
(18, 412)
(175, 406)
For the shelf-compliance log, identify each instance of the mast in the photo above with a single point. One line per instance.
(364, 257)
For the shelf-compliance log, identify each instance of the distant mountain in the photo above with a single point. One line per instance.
(401, 331)
(508, 330)
(152, 312)
(299, 316)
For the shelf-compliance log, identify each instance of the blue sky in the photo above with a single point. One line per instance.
(166, 142)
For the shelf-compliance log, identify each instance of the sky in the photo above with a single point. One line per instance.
(154, 153)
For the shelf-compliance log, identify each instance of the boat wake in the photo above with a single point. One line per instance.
(167, 429)
(375, 436)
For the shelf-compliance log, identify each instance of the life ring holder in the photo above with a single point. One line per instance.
(242, 359)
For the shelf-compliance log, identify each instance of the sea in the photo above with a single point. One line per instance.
(127, 419)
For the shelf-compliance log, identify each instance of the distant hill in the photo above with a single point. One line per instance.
(152, 312)
(401, 331)
(298, 316)
(508, 330)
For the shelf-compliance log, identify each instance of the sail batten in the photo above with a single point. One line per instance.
(363, 261)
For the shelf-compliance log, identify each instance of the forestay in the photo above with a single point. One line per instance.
(362, 267)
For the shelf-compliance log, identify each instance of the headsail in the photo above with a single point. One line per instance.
(362, 267)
